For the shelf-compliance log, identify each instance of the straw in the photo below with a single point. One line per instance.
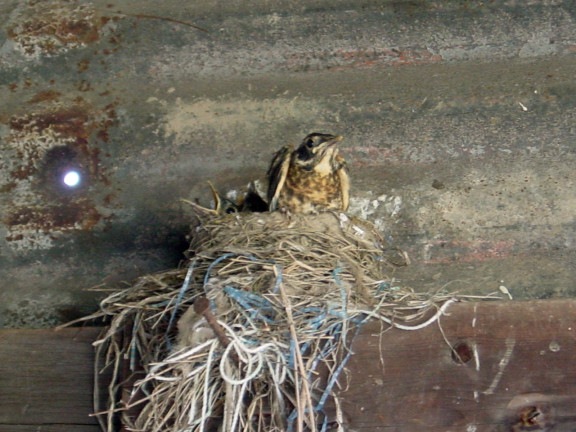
(285, 296)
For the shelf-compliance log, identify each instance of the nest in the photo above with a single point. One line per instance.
(254, 332)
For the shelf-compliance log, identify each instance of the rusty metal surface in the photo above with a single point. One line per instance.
(458, 118)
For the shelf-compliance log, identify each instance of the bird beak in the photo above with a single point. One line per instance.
(335, 140)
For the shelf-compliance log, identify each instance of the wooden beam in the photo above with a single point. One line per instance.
(488, 366)
(46, 380)
(51, 428)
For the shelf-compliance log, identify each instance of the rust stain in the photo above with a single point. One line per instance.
(342, 59)
(365, 58)
(45, 96)
(83, 65)
(446, 252)
(84, 86)
(8, 187)
(77, 120)
(416, 57)
(74, 214)
(41, 146)
(67, 121)
(53, 27)
(27, 231)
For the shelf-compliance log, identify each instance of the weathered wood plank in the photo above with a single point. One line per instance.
(517, 372)
(50, 428)
(46, 378)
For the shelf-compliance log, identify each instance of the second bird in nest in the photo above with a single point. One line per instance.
(309, 179)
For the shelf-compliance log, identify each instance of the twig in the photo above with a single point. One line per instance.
(202, 307)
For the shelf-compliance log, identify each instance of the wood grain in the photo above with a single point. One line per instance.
(46, 379)
(489, 366)
(515, 373)
(50, 428)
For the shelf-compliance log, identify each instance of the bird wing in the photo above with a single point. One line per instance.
(277, 173)
(344, 183)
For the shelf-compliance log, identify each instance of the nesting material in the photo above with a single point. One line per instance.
(254, 332)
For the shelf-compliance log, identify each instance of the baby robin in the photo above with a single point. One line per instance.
(310, 179)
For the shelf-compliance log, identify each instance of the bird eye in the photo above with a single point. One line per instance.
(309, 143)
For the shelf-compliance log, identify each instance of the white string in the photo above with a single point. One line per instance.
(243, 360)
(253, 358)
(251, 373)
(206, 388)
(432, 319)
(239, 406)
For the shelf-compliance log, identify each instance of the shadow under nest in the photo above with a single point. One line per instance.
(253, 333)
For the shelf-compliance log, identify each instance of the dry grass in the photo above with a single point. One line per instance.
(286, 297)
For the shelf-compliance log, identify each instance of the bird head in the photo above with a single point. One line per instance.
(317, 151)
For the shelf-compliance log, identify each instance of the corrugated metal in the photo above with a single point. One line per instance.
(458, 118)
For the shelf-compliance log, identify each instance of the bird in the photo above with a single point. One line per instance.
(309, 179)
(249, 202)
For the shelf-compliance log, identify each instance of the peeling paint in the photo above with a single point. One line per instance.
(380, 210)
(50, 28)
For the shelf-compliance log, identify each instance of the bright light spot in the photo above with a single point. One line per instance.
(72, 179)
